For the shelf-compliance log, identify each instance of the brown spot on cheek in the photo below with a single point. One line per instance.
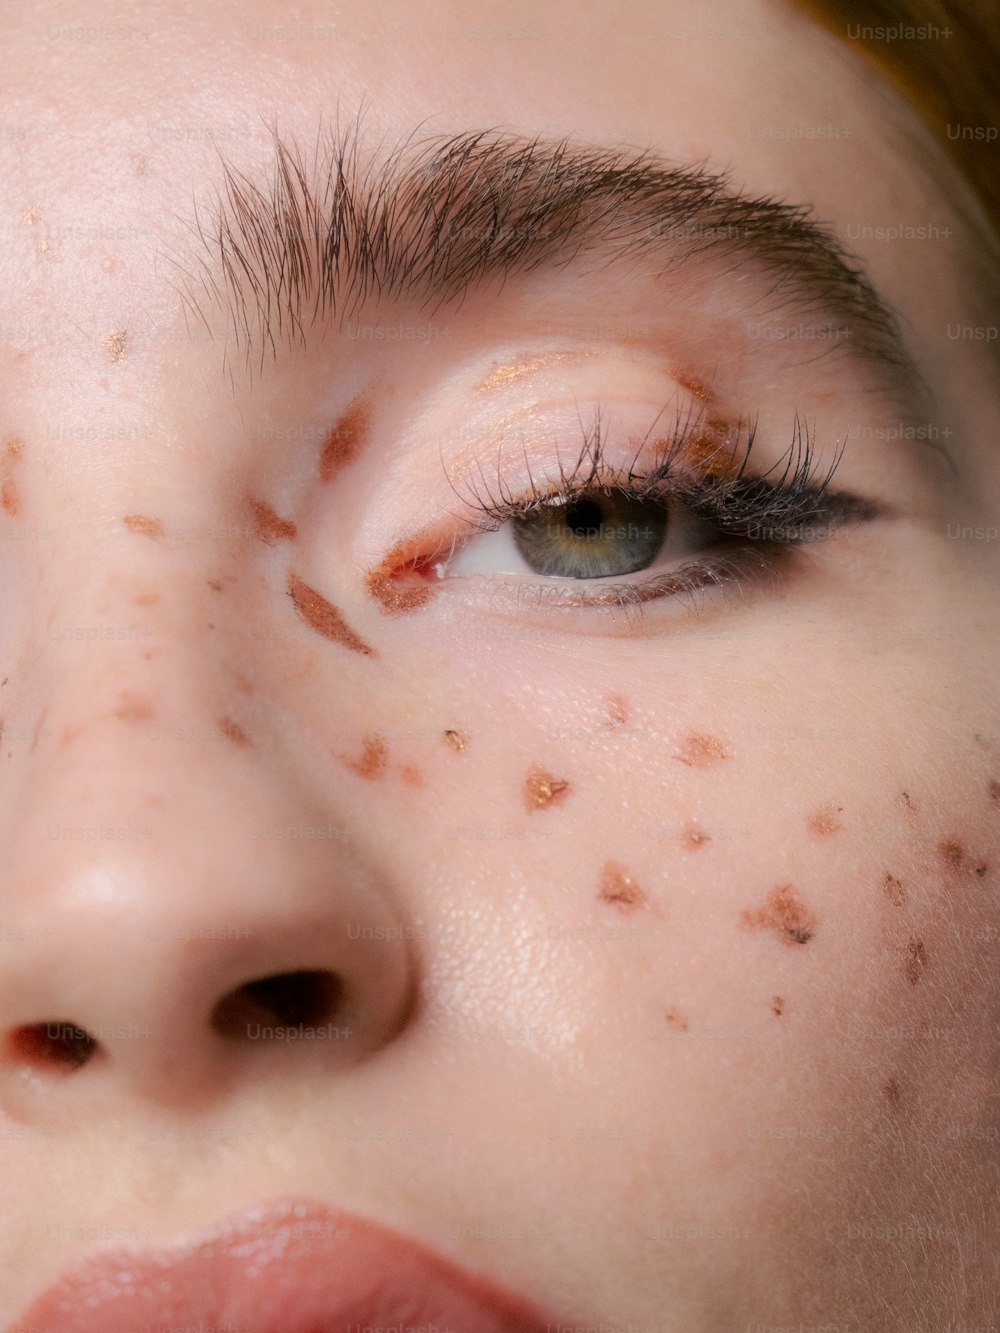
(233, 731)
(387, 581)
(951, 852)
(916, 961)
(784, 914)
(541, 789)
(676, 1021)
(374, 756)
(778, 1005)
(701, 751)
(144, 525)
(693, 837)
(824, 822)
(323, 617)
(620, 889)
(894, 890)
(616, 711)
(456, 739)
(269, 526)
(10, 499)
(345, 440)
(133, 708)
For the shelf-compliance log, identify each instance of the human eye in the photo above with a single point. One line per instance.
(684, 512)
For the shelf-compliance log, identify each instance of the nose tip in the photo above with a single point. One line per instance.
(303, 967)
(204, 950)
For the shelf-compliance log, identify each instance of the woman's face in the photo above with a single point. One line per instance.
(636, 859)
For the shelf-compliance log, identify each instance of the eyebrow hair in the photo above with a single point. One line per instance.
(431, 220)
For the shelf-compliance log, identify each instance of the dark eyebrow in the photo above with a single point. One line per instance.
(431, 219)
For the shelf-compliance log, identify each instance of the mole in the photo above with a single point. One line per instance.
(701, 751)
(323, 616)
(374, 756)
(269, 526)
(994, 791)
(777, 1005)
(619, 889)
(676, 1021)
(541, 789)
(344, 441)
(785, 915)
(456, 739)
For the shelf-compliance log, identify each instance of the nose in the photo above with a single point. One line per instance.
(184, 911)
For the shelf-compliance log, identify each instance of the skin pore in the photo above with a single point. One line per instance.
(665, 928)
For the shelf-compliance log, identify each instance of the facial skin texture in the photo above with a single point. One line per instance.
(763, 1095)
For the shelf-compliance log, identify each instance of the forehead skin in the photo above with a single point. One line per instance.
(685, 1123)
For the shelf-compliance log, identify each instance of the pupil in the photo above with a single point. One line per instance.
(583, 518)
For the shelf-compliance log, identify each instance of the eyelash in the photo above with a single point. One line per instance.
(795, 509)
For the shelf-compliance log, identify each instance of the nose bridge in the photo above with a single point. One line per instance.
(147, 874)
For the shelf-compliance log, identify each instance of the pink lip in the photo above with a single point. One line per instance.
(292, 1267)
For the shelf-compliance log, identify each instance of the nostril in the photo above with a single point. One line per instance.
(54, 1045)
(291, 999)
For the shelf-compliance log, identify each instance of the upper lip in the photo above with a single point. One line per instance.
(287, 1267)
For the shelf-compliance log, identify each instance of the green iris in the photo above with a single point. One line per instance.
(595, 535)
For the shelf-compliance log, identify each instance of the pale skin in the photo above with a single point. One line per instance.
(681, 954)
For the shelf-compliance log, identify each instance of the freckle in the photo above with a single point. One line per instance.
(9, 498)
(951, 852)
(38, 730)
(148, 655)
(269, 526)
(214, 584)
(693, 837)
(693, 385)
(384, 582)
(894, 890)
(132, 708)
(701, 751)
(891, 1092)
(777, 1005)
(114, 342)
(324, 618)
(146, 599)
(917, 960)
(70, 734)
(616, 711)
(541, 789)
(374, 755)
(456, 739)
(243, 684)
(824, 822)
(412, 776)
(345, 440)
(981, 870)
(784, 914)
(676, 1021)
(145, 526)
(619, 888)
(233, 731)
